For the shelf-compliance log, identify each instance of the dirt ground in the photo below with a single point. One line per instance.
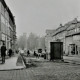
(55, 70)
(44, 70)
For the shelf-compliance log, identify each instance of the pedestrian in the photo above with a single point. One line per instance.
(10, 52)
(22, 51)
(34, 53)
(28, 53)
(45, 54)
(3, 52)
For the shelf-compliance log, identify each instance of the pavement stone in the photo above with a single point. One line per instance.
(44, 71)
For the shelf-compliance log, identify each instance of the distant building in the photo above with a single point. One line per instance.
(7, 26)
(69, 34)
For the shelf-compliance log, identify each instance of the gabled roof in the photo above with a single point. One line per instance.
(67, 26)
(73, 24)
(48, 31)
(60, 29)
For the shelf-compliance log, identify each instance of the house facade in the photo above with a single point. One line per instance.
(73, 38)
(69, 34)
(7, 26)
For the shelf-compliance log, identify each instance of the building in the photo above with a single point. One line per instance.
(69, 34)
(72, 39)
(48, 39)
(7, 26)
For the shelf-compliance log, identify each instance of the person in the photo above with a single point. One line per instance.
(10, 52)
(34, 53)
(22, 51)
(28, 53)
(3, 52)
(45, 55)
(17, 51)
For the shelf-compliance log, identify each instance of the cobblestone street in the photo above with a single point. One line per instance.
(44, 70)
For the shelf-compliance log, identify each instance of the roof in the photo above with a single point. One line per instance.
(68, 26)
(72, 24)
(48, 31)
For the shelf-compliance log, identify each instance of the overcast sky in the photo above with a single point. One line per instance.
(38, 15)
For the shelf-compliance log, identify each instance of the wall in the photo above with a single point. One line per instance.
(6, 26)
(68, 40)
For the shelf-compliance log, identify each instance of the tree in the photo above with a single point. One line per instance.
(32, 41)
(42, 40)
(35, 42)
(22, 41)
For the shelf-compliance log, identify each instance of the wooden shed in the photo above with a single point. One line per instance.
(56, 50)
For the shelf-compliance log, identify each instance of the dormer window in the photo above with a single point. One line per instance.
(77, 29)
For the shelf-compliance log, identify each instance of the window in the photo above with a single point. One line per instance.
(6, 15)
(2, 19)
(0, 6)
(2, 9)
(77, 29)
(3, 37)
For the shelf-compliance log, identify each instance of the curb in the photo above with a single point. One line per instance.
(13, 69)
(71, 61)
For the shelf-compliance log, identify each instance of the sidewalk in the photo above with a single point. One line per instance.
(72, 59)
(12, 64)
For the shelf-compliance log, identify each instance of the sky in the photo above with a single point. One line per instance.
(38, 15)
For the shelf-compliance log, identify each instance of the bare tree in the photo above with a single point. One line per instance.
(35, 42)
(32, 41)
(42, 41)
(22, 41)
